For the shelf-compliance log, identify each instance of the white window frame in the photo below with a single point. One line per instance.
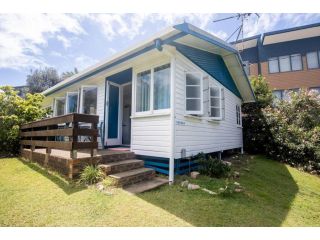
(317, 59)
(238, 115)
(67, 102)
(220, 102)
(273, 58)
(81, 97)
(55, 106)
(301, 63)
(200, 112)
(151, 111)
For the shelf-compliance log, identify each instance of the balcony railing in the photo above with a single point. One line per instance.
(71, 132)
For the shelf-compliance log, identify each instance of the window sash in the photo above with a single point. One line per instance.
(92, 106)
(61, 111)
(143, 91)
(215, 102)
(161, 89)
(273, 65)
(312, 60)
(73, 105)
(238, 115)
(284, 63)
(296, 62)
(194, 103)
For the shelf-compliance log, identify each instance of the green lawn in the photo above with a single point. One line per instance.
(276, 195)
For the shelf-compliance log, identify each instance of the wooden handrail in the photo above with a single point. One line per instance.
(32, 134)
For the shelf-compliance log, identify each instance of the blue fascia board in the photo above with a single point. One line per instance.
(184, 27)
(142, 51)
(289, 30)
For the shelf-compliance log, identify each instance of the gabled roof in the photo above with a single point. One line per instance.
(185, 34)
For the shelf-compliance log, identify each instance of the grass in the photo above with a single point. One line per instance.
(275, 195)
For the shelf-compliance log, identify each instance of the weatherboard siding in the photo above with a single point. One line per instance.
(198, 134)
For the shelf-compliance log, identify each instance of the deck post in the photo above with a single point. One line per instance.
(70, 167)
(46, 158)
(94, 139)
(219, 155)
(73, 154)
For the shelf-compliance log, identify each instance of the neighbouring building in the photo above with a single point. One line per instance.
(289, 59)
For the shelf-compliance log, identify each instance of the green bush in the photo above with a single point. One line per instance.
(15, 111)
(91, 174)
(286, 130)
(211, 166)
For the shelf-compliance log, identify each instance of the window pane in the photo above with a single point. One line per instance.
(214, 92)
(273, 65)
(284, 62)
(89, 102)
(60, 106)
(162, 87)
(312, 60)
(72, 102)
(193, 104)
(215, 102)
(215, 112)
(277, 94)
(193, 79)
(315, 89)
(143, 91)
(296, 62)
(193, 92)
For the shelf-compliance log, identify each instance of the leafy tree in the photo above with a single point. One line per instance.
(67, 74)
(15, 111)
(42, 79)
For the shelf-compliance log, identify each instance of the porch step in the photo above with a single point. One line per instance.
(121, 166)
(117, 156)
(146, 185)
(133, 176)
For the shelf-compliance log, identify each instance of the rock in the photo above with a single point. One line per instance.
(100, 187)
(227, 163)
(193, 186)
(221, 189)
(236, 174)
(236, 183)
(209, 191)
(247, 169)
(238, 190)
(314, 172)
(185, 183)
(194, 175)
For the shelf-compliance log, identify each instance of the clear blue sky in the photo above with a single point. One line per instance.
(65, 41)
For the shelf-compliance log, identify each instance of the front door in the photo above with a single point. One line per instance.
(113, 114)
(126, 113)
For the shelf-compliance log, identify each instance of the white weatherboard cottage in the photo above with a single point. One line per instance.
(170, 97)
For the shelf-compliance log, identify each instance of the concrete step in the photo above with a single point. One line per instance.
(132, 176)
(121, 166)
(117, 156)
(146, 185)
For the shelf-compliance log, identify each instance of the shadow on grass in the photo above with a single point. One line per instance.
(69, 187)
(269, 192)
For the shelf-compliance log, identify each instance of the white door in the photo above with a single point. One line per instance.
(113, 118)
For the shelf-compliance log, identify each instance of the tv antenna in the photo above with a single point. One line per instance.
(239, 30)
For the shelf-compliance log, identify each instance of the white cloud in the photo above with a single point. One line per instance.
(220, 34)
(83, 61)
(22, 37)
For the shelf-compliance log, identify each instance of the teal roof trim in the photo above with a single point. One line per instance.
(211, 63)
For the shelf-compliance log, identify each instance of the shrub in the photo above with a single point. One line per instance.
(15, 111)
(91, 174)
(212, 167)
(286, 130)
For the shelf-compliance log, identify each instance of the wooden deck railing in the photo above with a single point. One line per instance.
(62, 132)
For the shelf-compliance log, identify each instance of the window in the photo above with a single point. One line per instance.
(246, 66)
(89, 100)
(72, 102)
(59, 108)
(238, 115)
(284, 62)
(161, 90)
(143, 91)
(296, 63)
(315, 89)
(215, 103)
(312, 60)
(278, 94)
(286, 93)
(194, 93)
(273, 65)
